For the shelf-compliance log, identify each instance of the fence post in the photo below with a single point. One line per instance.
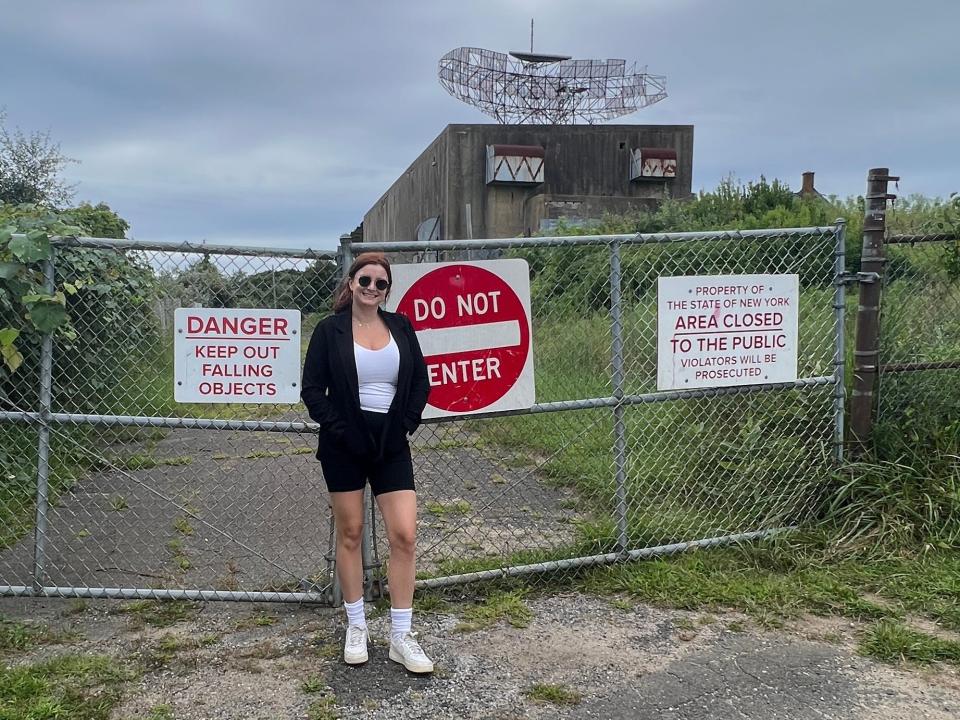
(619, 423)
(43, 443)
(839, 359)
(866, 349)
(344, 255)
(344, 260)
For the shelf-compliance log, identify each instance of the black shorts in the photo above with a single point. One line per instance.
(344, 471)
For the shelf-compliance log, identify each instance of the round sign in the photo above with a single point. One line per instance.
(474, 332)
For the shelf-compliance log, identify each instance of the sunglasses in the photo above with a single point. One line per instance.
(380, 284)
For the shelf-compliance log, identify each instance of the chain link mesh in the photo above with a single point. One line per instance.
(155, 507)
(501, 492)
(919, 332)
(231, 510)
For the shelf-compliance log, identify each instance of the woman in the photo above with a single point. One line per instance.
(365, 383)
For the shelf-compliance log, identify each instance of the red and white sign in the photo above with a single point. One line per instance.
(236, 356)
(723, 330)
(473, 323)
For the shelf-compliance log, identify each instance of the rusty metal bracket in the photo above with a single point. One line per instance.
(862, 278)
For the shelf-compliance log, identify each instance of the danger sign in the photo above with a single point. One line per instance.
(473, 323)
(723, 330)
(236, 356)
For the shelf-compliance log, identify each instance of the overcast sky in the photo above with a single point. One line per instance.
(280, 123)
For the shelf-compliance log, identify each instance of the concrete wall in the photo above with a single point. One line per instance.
(587, 173)
(416, 195)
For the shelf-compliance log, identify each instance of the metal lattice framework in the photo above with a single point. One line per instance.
(538, 89)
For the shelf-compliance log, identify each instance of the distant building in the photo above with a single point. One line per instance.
(807, 190)
(493, 181)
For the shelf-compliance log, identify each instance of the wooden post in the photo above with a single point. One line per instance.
(866, 349)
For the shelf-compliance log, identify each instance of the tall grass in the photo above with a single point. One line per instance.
(694, 467)
(751, 461)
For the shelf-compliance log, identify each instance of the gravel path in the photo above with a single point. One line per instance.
(612, 661)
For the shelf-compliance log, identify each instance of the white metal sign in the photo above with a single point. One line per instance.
(473, 323)
(723, 330)
(236, 356)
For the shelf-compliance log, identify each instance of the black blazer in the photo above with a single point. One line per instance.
(331, 392)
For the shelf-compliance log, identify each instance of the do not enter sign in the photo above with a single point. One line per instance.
(473, 323)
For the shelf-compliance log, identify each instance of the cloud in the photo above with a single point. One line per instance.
(229, 119)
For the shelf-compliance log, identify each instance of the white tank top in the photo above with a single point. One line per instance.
(377, 372)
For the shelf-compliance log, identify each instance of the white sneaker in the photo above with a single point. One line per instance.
(355, 645)
(407, 651)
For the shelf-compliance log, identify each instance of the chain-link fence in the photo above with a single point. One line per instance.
(604, 466)
(140, 496)
(919, 378)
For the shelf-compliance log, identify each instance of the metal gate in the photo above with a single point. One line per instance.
(116, 491)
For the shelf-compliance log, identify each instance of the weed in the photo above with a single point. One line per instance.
(136, 462)
(118, 503)
(498, 606)
(458, 507)
(19, 637)
(180, 559)
(80, 687)
(684, 624)
(77, 607)
(166, 649)
(431, 603)
(323, 709)
(553, 694)
(324, 648)
(266, 650)
(183, 526)
(160, 712)
(892, 641)
(159, 613)
(313, 684)
(257, 454)
(227, 582)
(258, 620)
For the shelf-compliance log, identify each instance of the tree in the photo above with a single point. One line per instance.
(30, 167)
(98, 220)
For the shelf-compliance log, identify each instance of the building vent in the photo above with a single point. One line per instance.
(514, 164)
(653, 164)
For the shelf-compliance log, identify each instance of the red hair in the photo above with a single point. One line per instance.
(344, 296)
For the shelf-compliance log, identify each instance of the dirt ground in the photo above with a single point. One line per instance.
(599, 657)
(233, 510)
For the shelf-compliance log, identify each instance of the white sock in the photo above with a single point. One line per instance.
(355, 613)
(400, 622)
